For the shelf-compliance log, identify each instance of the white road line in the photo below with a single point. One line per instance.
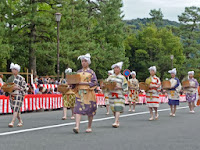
(73, 123)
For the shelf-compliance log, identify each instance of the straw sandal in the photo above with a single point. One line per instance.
(76, 130)
(88, 131)
(11, 125)
(20, 124)
(64, 118)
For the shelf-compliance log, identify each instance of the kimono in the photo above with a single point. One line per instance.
(106, 92)
(17, 96)
(192, 92)
(173, 93)
(152, 95)
(116, 97)
(69, 97)
(134, 90)
(85, 95)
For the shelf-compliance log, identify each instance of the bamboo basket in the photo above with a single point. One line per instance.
(8, 87)
(69, 92)
(110, 85)
(129, 84)
(186, 84)
(144, 86)
(166, 84)
(73, 79)
(62, 88)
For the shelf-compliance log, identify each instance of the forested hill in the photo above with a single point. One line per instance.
(144, 21)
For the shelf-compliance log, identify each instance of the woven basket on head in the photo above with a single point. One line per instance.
(166, 84)
(73, 79)
(8, 87)
(144, 86)
(186, 84)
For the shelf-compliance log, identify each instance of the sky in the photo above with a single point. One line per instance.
(133, 9)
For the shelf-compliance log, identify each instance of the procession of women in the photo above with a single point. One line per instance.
(78, 91)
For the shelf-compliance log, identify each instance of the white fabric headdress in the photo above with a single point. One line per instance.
(172, 71)
(133, 72)
(15, 66)
(119, 64)
(68, 70)
(111, 72)
(152, 68)
(86, 57)
(191, 72)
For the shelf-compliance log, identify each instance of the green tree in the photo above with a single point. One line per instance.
(190, 34)
(154, 46)
(156, 16)
(109, 35)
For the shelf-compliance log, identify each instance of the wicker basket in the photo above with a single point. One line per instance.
(8, 87)
(69, 92)
(144, 86)
(62, 88)
(166, 84)
(73, 79)
(129, 84)
(110, 85)
(186, 84)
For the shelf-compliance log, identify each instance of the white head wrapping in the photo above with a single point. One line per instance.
(111, 72)
(119, 64)
(191, 72)
(68, 70)
(15, 66)
(133, 72)
(86, 57)
(152, 68)
(172, 71)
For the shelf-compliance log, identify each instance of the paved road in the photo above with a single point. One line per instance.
(135, 132)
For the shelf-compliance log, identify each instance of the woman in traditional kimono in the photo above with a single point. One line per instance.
(152, 95)
(17, 96)
(68, 99)
(173, 93)
(106, 92)
(133, 91)
(116, 97)
(192, 91)
(85, 96)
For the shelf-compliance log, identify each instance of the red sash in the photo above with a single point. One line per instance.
(115, 94)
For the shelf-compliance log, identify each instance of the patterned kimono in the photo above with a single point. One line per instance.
(69, 97)
(17, 96)
(106, 93)
(85, 96)
(116, 97)
(192, 92)
(134, 90)
(173, 94)
(152, 95)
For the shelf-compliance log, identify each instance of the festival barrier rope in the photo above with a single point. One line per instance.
(54, 101)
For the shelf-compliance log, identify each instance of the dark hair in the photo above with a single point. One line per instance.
(45, 92)
(40, 89)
